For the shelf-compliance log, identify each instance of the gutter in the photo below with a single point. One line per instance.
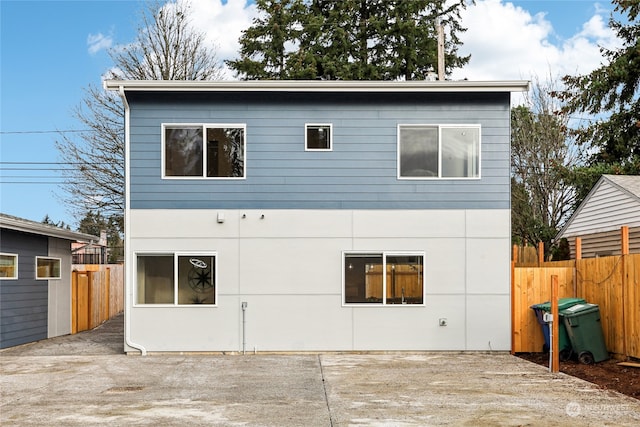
(127, 264)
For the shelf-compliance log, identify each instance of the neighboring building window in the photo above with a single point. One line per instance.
(176, 279)
(47, 268)
(204, 151)
(383, 278)
(8, 266)
(318, 137)
(438, 151)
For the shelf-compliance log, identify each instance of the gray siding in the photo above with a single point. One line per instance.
(360, 172)
(607, 208)
(605, 243)
(23, 302)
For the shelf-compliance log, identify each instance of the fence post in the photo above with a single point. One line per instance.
(624, 250)
(540, 253)
(74, 302)
(107, 297)
(513, 297)
(555, 328)
(624, 240)
(91, 298)
(578, 248)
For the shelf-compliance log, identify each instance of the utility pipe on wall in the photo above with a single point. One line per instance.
(129, 300)
(244, 331)
(554, 334)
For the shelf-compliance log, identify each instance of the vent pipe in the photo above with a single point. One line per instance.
(440, 51)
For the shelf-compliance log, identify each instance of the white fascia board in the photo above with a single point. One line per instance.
(19, 224)
(346, 86)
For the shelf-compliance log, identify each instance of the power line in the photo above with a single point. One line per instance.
(27, 132)
(34, 182)
(61, 167)
(52, 163)
(39, 176)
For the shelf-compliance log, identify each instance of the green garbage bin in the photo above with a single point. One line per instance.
(582, 323)
(564, 344)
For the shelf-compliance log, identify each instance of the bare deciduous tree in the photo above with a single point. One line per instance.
(166, 48)
(94, 175)
(541, 153)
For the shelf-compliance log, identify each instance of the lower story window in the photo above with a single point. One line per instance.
(47, 268)
(383, 278)
(177, 279)
(8, 266)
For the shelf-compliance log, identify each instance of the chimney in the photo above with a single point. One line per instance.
(103, 238)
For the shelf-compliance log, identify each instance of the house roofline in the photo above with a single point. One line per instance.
(599, 182)
(345, 86)
(612, 180)
(18, 224)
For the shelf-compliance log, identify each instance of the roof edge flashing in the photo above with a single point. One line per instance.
(23, 225)
(316, 86)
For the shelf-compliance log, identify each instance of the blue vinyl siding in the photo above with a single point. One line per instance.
(23, 302)
(359, 173)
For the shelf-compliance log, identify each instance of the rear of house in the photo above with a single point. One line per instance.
(317, 216)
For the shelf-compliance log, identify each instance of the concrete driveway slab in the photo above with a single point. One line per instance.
(465, 389)
(84, 380)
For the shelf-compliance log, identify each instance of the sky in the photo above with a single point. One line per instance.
(52, 50)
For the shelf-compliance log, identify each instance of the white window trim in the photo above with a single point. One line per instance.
(440, 127)
(175, 255)
(329, 125)
(15, 276)
(49, 258)
(384, 278)
(204, 127)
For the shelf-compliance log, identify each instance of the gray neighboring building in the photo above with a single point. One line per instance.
(317, 215)
(35, 280)
(613, 202)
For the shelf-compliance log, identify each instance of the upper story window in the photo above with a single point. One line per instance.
(47, 268)
(438, 151)
(318, 137)
(203, 151)
(8, 266)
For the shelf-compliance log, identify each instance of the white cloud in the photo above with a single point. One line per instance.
(506, 42)
(98, 42)
(223, 24)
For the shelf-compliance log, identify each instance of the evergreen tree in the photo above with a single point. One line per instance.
(349, 39)
(263, 52)
(94, 223)
(611, 90)
(60, 224)
(411, 38)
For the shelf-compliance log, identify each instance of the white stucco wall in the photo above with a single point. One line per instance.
(287, 266)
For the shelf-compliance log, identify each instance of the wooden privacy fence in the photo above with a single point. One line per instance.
(532, 285)
(611, 282)
(97, 294)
